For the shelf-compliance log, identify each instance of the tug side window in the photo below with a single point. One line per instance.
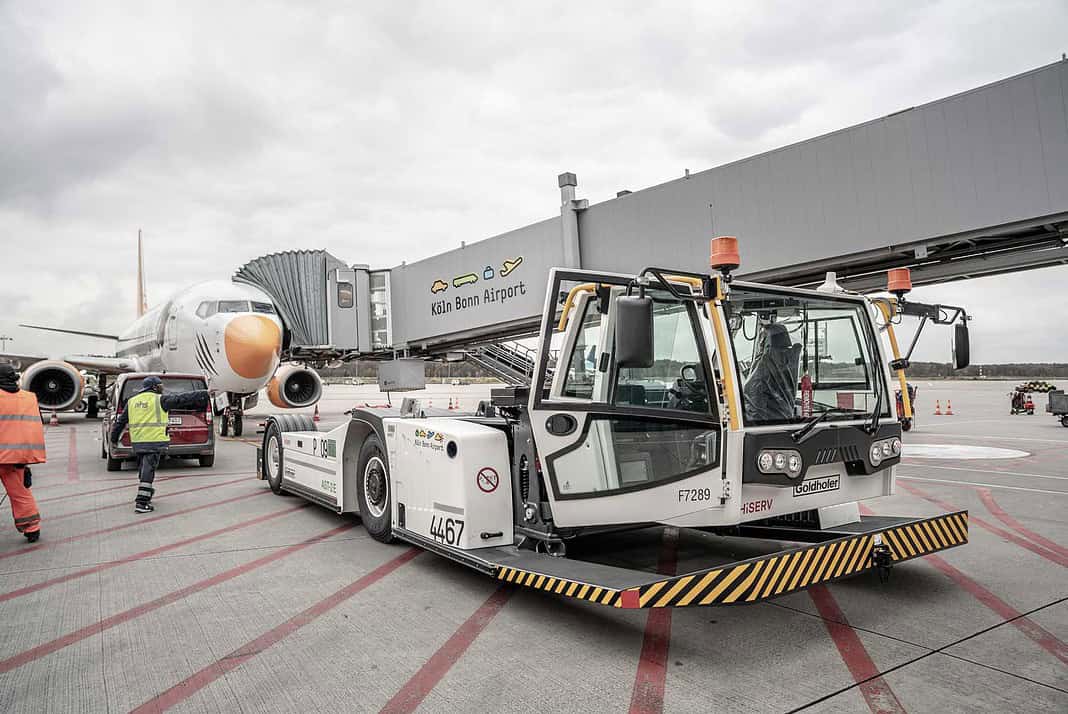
(582, 367)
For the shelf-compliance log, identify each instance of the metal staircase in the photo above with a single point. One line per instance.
(513, 362)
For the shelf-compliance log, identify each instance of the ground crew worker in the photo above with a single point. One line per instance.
(146, 414)
(21, 443)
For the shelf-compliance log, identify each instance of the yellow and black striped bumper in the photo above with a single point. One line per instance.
(768, 576)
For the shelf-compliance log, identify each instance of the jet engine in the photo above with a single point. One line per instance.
(293, 386)
(58, 385)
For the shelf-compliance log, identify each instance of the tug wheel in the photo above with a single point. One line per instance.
(373, 491)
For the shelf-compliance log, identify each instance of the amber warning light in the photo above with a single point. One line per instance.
(899, 281)
(724, 256)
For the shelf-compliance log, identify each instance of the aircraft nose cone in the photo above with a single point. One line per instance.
(252, 343)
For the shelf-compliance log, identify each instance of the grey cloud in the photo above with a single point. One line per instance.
(389, 131)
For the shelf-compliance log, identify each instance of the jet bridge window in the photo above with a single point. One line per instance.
(345, 295)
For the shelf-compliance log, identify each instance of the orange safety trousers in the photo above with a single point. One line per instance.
(23, 504)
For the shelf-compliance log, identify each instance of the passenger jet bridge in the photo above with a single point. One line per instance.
(971, 185)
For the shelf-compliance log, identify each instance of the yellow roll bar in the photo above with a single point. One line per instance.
(886, 307)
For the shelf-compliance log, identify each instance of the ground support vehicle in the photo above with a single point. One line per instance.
(191, 431)
(741, 421)
(1058, 405)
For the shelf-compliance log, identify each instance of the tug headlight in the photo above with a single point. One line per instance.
(876, 454)
(774, 461)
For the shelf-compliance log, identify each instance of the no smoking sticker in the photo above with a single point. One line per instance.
(488, 480)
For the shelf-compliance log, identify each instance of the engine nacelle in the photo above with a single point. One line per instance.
(57, 384)
(293, 386)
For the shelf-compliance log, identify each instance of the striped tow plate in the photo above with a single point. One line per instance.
(768, 576)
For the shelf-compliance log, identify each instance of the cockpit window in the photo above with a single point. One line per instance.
(264, 307)
(206, 309)
(233, 306)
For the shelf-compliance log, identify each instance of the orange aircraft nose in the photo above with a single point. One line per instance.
(252, 343)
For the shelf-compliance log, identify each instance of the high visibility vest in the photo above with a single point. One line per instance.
(21, 433)
(148, 419)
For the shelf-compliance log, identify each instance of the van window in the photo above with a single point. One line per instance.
(171, 385)
(233, 306)
(206, 309)
(265, 307)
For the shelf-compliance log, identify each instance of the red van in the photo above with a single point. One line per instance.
(192, 432)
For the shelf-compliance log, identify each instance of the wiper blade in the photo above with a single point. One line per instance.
(801, 434)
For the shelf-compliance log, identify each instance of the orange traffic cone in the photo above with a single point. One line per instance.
(315, 416)
(949, 408)
(54, 421)
(938, 408)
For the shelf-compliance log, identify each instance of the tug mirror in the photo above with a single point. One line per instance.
(634, 331)
(961, 347)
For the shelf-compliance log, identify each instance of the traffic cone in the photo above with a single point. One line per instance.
(315, 416)
(54, 420)
(938, 408)
(949, 408)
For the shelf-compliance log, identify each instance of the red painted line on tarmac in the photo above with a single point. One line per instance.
(1012, 537)
(72, 457)
(146, 554)
(877, 693)
(126, 482)
(198, 680)
(131, 486)
(35, 653)
(1001, 515)
(132, 524)
(412, 694)
(647, 695)
(1028, 627)
(1033, 630)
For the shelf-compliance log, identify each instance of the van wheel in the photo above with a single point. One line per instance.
(1064, 421)
(206, 460)
(272, 458)
(114, 464)
(373, 490)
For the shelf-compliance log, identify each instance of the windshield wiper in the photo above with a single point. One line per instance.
(801, 434)
(873, 425)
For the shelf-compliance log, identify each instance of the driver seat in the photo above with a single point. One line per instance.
(771, 391)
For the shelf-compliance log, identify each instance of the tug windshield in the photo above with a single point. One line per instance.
(799, 356)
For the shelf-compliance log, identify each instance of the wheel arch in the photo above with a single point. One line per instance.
(360, 427)
(283, 423)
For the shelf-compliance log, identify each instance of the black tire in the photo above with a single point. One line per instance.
(114, 464)
(272, 458)
(103, 449)
(206, 460)
(376, 506)
(1064, 421)
(239, 424)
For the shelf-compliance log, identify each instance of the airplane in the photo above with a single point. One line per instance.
(230, 333)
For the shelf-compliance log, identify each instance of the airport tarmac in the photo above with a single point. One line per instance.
(229, 598)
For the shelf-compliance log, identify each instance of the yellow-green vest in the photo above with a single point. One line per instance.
(148, 419)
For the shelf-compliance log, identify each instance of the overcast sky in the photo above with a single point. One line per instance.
(389, 131)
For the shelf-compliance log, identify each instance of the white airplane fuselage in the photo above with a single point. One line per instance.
(230, 333)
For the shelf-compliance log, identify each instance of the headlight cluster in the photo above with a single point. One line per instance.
(884, 449)
(780, 461)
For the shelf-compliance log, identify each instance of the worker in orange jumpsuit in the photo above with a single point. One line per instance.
(21, 443)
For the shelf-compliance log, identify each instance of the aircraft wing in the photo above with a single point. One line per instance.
(90, 363)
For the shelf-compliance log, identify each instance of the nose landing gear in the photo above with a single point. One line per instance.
(232, 421)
